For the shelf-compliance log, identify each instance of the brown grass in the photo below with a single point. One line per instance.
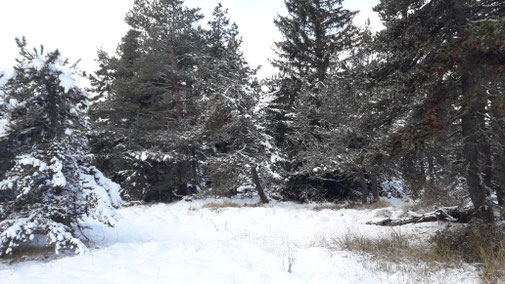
(328, 207)
(394, 247)
(26, 253)
(216, 206)
(352, 205)
(391, 253)
(375, 205)
(480, 246)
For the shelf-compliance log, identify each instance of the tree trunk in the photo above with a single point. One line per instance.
(182, 185)
(52, 109)
(364, 186)
(182, 189)
(431, 170)
(257, 182)
(487, 160)
(474, 107)
(500, 176)
(474, 103)
(375, 189)
(175, 68)
(194, 167)
(421, 173)
(413, 175)
(499, 157)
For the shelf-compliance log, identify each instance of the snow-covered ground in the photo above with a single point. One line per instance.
(186, 243)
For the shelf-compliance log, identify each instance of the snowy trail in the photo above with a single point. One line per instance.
(185, 243)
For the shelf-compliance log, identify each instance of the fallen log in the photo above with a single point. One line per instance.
(447, 214)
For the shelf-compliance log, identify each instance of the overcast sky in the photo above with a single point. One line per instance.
(79, 27)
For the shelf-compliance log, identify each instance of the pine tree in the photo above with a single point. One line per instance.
(51, 182)
(172, 95)
(230, 125)
(439, 56)
(152, 93)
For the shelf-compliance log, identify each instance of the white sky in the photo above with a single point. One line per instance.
(79, 27)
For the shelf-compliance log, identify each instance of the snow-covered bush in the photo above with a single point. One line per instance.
(50, 183)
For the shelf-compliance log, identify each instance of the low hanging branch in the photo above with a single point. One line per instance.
(447, 214)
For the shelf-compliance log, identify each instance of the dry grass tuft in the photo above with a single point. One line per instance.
(383, 213)
(375, 205)
(394, 247)
(353, 205)
(392, 253)
(481, 244)
(420, 208)
(493, 262)
(216, 206)
(368, 206)
(329, 207)
(31, 253)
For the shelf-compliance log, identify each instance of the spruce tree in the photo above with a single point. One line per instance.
(314, 31)
(231, 128)
(315, 35)
(51, 183)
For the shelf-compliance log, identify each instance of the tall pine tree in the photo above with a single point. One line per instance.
(440, 57)
(151, 95)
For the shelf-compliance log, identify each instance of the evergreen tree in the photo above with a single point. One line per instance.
(438, 59)
(230, 125)
(179, 102)
(51, 182)
(151, 100)
(314, 31)
(304, 110)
